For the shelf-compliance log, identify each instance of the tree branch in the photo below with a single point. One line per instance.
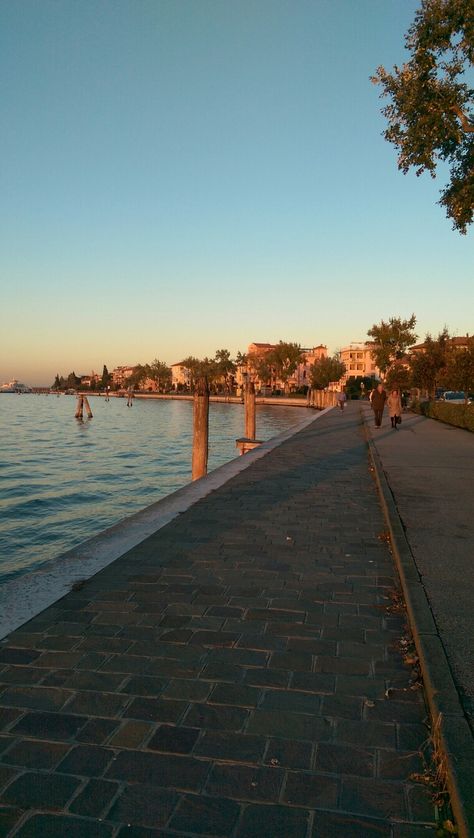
(466, 125)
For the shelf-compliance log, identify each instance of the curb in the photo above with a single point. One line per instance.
(455, 737)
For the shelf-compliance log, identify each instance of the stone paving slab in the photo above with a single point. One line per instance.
(230, 675)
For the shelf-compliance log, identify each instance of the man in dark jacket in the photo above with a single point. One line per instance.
(378, 399)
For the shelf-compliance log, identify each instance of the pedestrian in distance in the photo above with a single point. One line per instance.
(341, 399)
(378, 398)
(394, 403)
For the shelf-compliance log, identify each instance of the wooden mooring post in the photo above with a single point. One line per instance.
(200, 429)
(250, 410)
(83, 402)
(248, 442)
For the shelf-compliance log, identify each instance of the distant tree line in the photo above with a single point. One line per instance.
(74, 382)
(272, 368)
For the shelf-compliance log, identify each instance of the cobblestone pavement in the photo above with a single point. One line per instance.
(228, 676)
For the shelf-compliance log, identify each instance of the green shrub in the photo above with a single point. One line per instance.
(460, 415)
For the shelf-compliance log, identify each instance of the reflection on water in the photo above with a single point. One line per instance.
(62, 480)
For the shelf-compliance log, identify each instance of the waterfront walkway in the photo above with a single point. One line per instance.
(237, 674)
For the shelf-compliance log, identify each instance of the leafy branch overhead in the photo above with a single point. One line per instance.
(431, 107)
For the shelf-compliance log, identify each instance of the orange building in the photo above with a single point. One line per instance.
(300, 378)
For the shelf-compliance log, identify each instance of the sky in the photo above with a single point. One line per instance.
(179, 176)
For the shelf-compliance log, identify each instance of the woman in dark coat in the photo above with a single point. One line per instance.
(377, 400)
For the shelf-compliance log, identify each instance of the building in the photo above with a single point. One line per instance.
(456, 342)
(300, 378)
(359, 361)
(91, 380)
(180, 376)
(120, 375)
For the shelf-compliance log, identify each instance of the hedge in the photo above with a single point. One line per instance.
(460, 415)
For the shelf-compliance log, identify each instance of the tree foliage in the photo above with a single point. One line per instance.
(106, 379)
(392, 338)
(225, 368)
(73, 381)
(260, 366)
(398, 377)
(427, 366)
(160, 373)
(429, 114)
(459, 372)
(326, 370)
(137, 378)
(358, 385)
(200, 368)
(284, 358)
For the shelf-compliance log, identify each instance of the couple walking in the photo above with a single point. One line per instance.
(377, 400)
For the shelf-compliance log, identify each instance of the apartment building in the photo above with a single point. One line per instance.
(120, 375)
(180, 376)
(359, 361)
(300, 378)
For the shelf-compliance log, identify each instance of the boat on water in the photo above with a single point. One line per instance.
(15, 386)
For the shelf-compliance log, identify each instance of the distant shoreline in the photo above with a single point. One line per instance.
(267, 400)
(274, 400)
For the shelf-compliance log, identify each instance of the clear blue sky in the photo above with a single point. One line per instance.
(186, 175)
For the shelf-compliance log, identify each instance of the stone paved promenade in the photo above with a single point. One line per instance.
(227, 677)
(429, 466)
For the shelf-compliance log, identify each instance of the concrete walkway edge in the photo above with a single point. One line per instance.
(455, 739)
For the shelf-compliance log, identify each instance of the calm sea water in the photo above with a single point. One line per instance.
(62, 481)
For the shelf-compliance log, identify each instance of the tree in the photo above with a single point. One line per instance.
(427, 366)
(138, 376)
(358, 385)
(57, 383)
(225, 367)
(160, 373)
(73, 381)
(241, 359)
(260, 366)
(106, 378)
(392, 339)
(459, 373)
(200, 368)
(398, 377)
(284, 358)
(326, 370)
(428, 115)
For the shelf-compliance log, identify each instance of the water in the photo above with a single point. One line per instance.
(62, 481)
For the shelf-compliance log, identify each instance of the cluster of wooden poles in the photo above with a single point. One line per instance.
(201, 426)
(83, 402)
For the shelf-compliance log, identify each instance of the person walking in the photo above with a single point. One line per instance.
(394, 403)
(341, 399)
(377, 400)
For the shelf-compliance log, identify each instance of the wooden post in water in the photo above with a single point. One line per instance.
(200, 428)
(80, 407)
(250, 410)
(249, 442)
(87, 407)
